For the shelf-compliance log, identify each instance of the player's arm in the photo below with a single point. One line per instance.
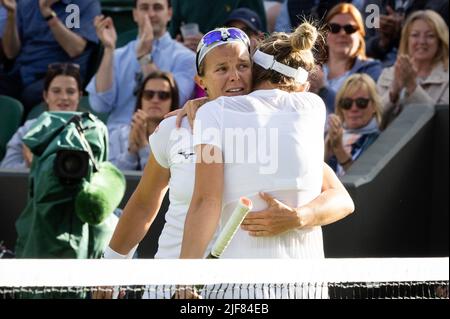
(333, 204)
(142, 208)
(206, 204)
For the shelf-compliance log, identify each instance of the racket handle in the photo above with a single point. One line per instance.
(226, 235)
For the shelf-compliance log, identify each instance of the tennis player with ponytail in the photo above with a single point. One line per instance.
(281, 108)
(224, 69)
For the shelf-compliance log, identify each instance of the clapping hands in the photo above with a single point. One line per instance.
(106, 32)
(335, 131)
(138, 137)
(405, 74)
(146, 36)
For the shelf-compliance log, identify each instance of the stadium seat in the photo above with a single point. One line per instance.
(11, 112)
(36, 111)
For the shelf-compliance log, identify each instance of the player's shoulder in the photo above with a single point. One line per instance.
(309, 100)
(164, 129)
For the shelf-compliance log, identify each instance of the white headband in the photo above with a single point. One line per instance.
(268, 62)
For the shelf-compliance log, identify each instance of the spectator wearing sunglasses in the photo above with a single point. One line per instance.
(355, 126)
(383, 41)
(113, 89)
(346, 47)
(62, 93)
(38, 33)
(420, 74)
(128, 144)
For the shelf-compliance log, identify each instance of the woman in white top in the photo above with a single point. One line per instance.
(281, 121)
(224, 69)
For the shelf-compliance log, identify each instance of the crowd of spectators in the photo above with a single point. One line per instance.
(367, 73)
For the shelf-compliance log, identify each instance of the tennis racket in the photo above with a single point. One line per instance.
(226, 235)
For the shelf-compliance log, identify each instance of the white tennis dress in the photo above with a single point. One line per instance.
(173, 149)
(271, 141)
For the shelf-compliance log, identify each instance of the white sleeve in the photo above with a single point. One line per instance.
(159, 141)
(208, 124)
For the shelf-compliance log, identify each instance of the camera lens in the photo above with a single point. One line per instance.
(72, 164)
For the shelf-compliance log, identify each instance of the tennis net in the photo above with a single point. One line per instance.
(371, 278)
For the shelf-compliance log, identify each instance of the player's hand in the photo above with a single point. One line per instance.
(189, 109)
(186, 292)
(107, 292)
(277, 218)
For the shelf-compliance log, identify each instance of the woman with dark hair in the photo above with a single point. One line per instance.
(128, 144)
(62, 93)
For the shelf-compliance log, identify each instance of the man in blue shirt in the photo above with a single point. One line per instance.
(40, 32)
(2, 27)
(113, 87)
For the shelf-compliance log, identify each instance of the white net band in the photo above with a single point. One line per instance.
(32, 273)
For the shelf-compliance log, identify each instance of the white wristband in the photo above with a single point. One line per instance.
(111, 254)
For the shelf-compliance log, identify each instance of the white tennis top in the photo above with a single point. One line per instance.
(271, 141)
(173, 149)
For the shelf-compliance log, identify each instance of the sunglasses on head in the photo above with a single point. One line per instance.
(219, 35)
(223, 35)
(150, 94)
(336, 28)
(361, 103)
(64, 66)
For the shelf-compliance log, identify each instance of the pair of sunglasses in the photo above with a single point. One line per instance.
(336, 28)
(64, 66)
(150, 94)
(223, 35)
(361, 103)
(219, 35)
